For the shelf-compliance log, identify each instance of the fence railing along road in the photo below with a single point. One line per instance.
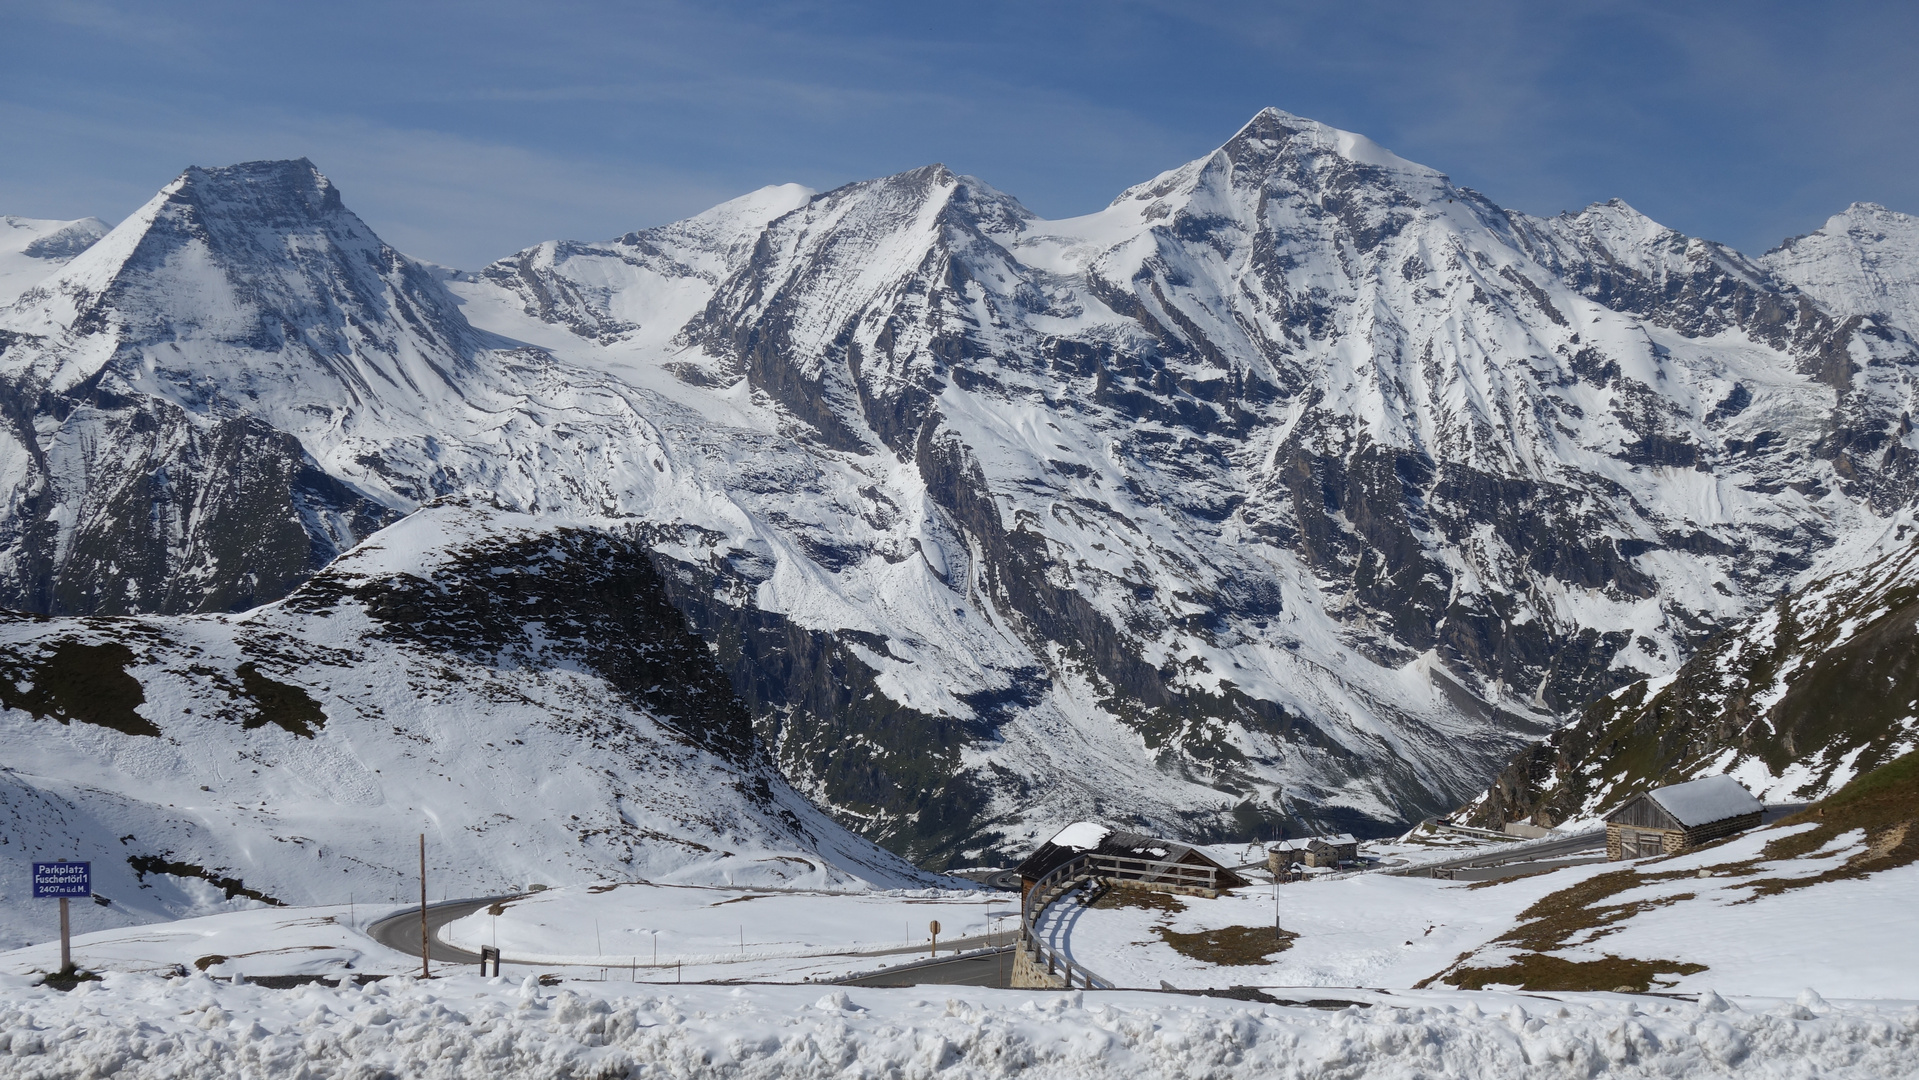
(1082, 870)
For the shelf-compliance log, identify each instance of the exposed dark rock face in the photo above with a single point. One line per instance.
(891, 771)
(568, 595)
(174, 514)
(71, 681)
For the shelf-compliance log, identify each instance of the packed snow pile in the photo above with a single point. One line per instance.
(142, 1026)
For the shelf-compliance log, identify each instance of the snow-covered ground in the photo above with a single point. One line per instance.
(1850, 937)
(142, 1026)
(1366, 930)
(707, 933)
(704, 933)
(328, 940)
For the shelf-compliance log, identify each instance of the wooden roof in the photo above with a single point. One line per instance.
(1086, 836)
(1688, 806)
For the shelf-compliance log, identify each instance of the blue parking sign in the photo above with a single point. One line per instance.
(62, 879)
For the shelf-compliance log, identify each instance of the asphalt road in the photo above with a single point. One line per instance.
(401, 932)
(1553, 851)
(979, 969)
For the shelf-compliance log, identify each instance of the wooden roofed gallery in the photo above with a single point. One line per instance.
(1130, 860)
(1669, 820)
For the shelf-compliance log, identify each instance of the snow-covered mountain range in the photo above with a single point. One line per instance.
(1298, 485)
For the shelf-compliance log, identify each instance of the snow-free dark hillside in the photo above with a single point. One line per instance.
(518, 688)
(1298, 472)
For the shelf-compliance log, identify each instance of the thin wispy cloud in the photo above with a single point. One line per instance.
(468, 130)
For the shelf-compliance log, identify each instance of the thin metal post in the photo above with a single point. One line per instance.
(425, 972)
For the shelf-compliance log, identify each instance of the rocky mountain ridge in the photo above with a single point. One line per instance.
(517, 688)
(1297, 487)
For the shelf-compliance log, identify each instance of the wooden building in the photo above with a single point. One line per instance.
(1130, 859)
(1668, 820)
(1313, 851)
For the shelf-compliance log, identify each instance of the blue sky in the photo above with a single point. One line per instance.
(463, 132)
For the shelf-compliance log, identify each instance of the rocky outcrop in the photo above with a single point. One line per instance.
(1815, 690)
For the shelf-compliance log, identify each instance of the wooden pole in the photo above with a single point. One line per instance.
(66, 940)
(425, 972)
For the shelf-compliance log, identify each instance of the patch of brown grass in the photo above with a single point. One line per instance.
(1557, 920)
(1535, 971)
(1883, 803)
(1118, 897)
(1230, 945)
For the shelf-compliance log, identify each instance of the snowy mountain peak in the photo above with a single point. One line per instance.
(31, 249)
(274, 194)
(1295, 468)
(226, 265)
(1864, 261)
(1275, 129)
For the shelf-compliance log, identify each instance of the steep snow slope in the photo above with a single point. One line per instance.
(33, 248)
(1858, 264)
(515, 687)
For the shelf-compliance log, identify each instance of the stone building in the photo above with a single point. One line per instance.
(1312, 851)
(1668, 820)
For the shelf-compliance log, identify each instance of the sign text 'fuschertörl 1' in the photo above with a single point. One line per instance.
(62, 879)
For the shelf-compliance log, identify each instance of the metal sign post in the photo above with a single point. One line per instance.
(425, 971)
(934, 928)
(63, 880)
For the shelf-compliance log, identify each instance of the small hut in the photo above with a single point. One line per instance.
(1313, 851)
(1130, 860)
(1669, 820)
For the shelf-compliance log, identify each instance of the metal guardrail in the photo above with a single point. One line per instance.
(1079, 871)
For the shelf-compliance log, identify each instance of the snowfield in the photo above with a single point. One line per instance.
(706, 933)
(1376, 930)
(142, 1026)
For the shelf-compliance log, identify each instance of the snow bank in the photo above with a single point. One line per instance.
(141, 1026)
